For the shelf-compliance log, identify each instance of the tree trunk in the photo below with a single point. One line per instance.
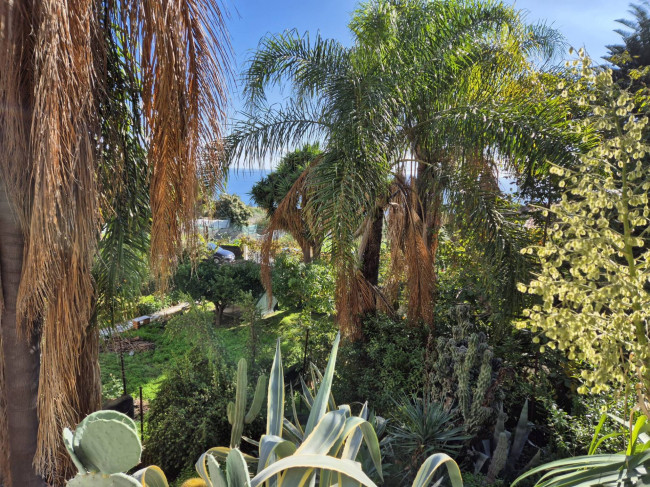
(306, 251)
(21, 359)
(371, 248)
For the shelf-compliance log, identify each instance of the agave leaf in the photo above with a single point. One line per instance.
(319, 376)
(428, 469)
(276, 395)
(306, 393)
(292, 431)
(272, 446)
(325, 435)
(151, 476)
(346, 467)
(320, 402)
(237, 470)
(295, 413)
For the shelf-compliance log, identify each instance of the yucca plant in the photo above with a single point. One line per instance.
(420, 427)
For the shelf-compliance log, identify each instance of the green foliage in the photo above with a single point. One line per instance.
(297, 285)
(231, 207)
(390, 363)
(329, 444)
(594, 273)
(188, 415)
(148, 305)
(634, 53)
(418, 428)
(218, 283)
(269, 191)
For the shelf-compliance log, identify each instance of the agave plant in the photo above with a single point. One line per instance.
(631, 467)
(106, 444)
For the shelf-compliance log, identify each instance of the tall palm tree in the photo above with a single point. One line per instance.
(58, 133)
(634, 52)
(443, 88)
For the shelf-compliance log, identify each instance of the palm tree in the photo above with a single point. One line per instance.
(634, 53)
(65, 172)
(431, 98)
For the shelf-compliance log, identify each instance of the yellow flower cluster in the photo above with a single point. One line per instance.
(594, 279)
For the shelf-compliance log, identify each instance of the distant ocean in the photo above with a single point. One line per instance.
(241, 181)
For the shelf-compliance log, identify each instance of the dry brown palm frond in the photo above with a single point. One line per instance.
(48, 91)
(289, 217)
(409, 251)
(355, 297)
(183, 51)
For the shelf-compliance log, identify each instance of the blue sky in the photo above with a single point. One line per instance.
(588, 23)
(583, 22)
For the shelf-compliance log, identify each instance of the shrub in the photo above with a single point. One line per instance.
(390, 363)
(297, 285)
(189, 415)
(148, 305)
(419, 428)
(218, 283)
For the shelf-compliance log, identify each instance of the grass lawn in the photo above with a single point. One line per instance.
(147, 368)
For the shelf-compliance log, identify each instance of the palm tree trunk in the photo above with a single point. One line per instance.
(21, 359)
(371, 248)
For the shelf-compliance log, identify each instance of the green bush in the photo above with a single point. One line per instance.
(390, 363)
(189, 415)
(148, 305)
(297, 285)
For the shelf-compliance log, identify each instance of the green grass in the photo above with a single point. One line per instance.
(147, 369)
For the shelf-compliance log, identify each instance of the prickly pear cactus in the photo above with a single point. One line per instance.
(237, 415)
(102, 480)
(105, 441)
(104, 445)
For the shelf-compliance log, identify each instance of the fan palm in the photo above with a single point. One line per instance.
(73, 79)
(429, 91)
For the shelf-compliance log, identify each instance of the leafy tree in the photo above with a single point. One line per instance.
(300, 285)
(231, 206)
(270, 190)
(594, 276)
(65, 156)
(220, 284)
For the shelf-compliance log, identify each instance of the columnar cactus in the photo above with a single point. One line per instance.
(465, 373)
(237, 415)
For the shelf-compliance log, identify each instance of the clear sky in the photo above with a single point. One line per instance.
(588, 23)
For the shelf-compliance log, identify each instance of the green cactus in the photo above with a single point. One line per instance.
(104, 445)
(465, 374)
(504, 453)
(105, 441)
(499, 458)
(101, 480)
(236, 411)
